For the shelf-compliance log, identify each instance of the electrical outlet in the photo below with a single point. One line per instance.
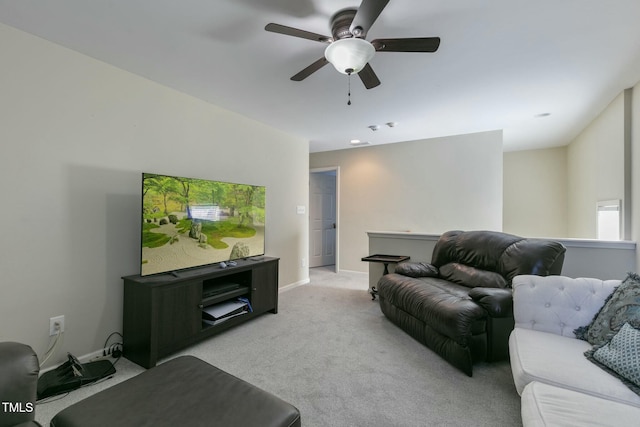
(303, 263)
(56, 324)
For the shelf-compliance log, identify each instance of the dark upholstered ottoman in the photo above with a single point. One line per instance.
(181, 392)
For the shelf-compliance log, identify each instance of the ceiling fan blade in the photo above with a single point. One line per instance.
(368, 77)
(420, 44)
(367, 14)
(295, 32)
(310, 69)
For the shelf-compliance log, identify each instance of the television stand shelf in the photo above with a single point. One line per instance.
(163, 313)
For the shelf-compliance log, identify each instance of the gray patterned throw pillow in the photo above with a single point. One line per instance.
(621, 356)
(623, 306)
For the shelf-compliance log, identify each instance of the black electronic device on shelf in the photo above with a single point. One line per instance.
(210, 291)
(72, 375)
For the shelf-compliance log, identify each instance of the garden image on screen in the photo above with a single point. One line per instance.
(188, 222)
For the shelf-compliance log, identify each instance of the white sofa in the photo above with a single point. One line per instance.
(558, 385)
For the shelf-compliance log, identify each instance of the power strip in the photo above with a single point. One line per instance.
(114, 350)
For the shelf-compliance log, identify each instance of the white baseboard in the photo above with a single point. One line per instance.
(294, 285)
(353, 272)
(90, 357)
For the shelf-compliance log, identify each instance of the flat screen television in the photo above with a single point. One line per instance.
(190, 222)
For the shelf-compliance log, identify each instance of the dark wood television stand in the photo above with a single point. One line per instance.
(163, 313)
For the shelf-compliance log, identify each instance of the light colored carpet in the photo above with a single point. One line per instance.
(331, 352)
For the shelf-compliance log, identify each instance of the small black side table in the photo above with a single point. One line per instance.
(386, 260)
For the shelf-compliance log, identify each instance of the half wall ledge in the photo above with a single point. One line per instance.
(601, 259)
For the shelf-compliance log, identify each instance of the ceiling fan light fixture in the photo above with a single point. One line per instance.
(349, 56)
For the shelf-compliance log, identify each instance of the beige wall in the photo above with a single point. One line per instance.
(76, 135)
(553, 192)
(535, 192)
(427, 186)
(595, 167)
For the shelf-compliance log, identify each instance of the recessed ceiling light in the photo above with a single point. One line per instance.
(391, 124)
(357, 142)
(542, 115)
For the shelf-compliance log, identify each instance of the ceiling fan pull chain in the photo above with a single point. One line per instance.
(349, 71)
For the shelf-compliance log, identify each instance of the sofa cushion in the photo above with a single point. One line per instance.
(559, 361)
(446, 307)
(620, 356)
(481, 249)
(531, 256)
(623, 306)
(471, 277)
(545, 405)
(503, 253)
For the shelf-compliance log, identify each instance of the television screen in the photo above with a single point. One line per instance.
(189, 222)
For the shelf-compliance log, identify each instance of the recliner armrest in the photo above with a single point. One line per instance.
(498, 302)
(19, 370)
(417, 269)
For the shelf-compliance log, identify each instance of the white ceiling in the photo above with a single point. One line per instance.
(500, 63)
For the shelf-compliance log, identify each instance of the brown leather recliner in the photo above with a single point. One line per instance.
(460, 304)
(19, 370)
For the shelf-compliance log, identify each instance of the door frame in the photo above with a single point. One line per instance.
(337, 171)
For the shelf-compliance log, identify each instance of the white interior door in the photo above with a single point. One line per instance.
(322, 218)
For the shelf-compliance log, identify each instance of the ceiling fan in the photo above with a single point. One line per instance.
(348, 50)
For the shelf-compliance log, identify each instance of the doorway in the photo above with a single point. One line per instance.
(323, 217)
